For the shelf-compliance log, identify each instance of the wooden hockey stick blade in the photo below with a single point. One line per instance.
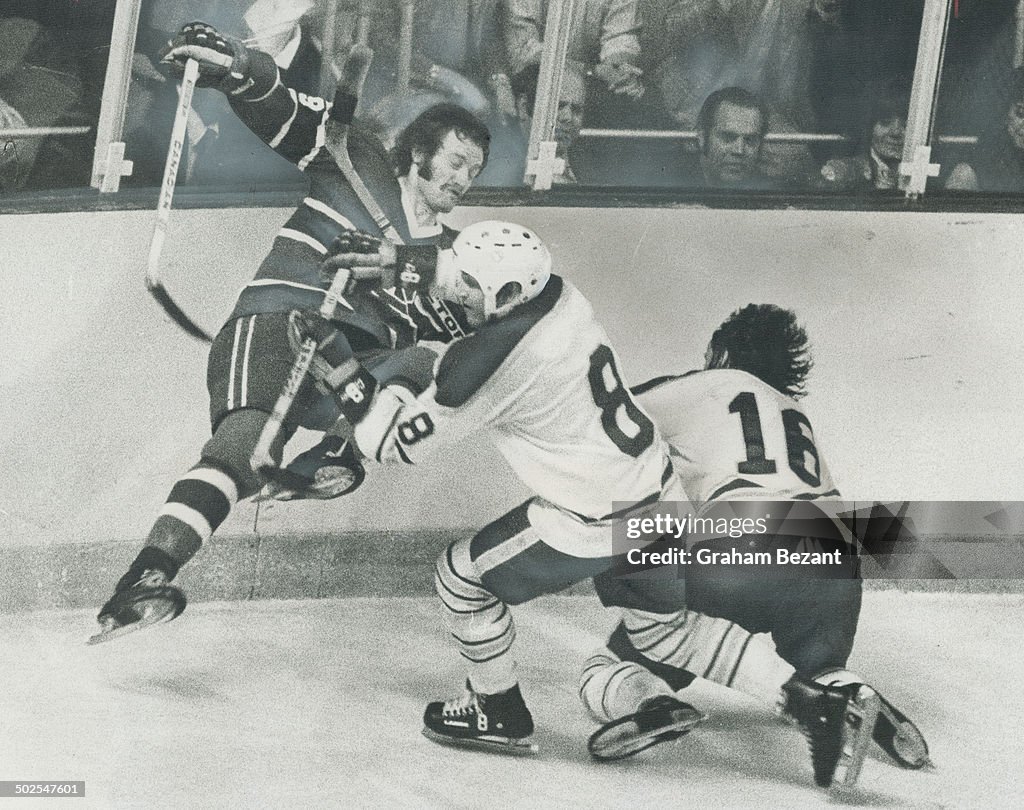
(176, 313)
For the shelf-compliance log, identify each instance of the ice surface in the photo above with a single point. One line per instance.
(317, 704)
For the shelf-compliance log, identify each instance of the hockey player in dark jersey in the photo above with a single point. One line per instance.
(766, 461)
(353, 183)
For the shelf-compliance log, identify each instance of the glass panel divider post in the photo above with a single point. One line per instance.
(541, 163)
(916, 167)
(108, 165)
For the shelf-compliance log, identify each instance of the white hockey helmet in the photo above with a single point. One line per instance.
(507, 262)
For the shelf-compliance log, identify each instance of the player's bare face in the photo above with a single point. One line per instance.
(733, 148)
(453, 168)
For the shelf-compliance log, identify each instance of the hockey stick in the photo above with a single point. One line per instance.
(262, 460)
(163, 209)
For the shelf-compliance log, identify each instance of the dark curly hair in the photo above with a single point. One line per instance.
(766, 341)
(430, 128)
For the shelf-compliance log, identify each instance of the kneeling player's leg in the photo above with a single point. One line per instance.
(664, 630)
(816, 623)
(636, 708)
(712, 648)
(611, 688)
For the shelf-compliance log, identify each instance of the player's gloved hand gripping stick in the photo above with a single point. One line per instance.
(206, 59)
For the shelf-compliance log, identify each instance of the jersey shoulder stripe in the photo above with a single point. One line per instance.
(470, 362)
(644, 387)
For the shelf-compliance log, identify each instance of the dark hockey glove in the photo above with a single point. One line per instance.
(356, 255)
(223, 61)
(334, 368)
(411, 268)
(353, 241)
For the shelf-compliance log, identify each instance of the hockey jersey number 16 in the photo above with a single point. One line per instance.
(733, 435)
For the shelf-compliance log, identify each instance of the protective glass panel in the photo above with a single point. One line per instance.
(752, 95)
(980, 105)
(53, 55)
(220, 152)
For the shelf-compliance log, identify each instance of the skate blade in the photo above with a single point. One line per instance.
(858, 727)
(499, 745)
(152, 611)
(623, 738)
(901, 739)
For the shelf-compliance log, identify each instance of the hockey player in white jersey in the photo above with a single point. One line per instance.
(540, 378)
(738, 434)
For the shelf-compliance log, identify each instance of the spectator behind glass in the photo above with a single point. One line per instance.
(731, 127)
(876, 165)
(999, 164)
(573, 93)
(603, 34)
(37, 89)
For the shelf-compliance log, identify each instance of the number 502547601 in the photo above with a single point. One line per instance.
(37, 788)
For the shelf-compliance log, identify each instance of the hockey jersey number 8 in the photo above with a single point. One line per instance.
(544, 383)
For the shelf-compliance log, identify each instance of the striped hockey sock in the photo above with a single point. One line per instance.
(712, 648)
(610, 688)
(198, 503)
(479, 622)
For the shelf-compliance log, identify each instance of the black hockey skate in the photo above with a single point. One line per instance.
(894, 732)
(659, 719)
(838, 722)
(900, 738)
(499, 722)
(149, 600)
(327, 470)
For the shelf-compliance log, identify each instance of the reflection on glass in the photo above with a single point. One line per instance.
(52, 61)
(981, 99)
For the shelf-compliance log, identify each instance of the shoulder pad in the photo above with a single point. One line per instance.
(470, 362)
